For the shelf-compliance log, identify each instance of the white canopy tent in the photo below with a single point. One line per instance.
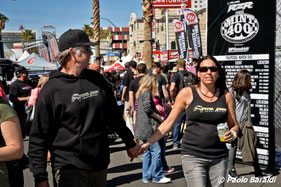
(23, 56)
(35, 63)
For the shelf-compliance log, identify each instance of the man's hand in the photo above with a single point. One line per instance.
(143, 147)
(43, 184)
(133, 152)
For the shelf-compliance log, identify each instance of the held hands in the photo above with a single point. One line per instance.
(133, 152)
(143, 147)
(137, 150)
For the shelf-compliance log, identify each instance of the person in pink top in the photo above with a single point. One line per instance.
(2, 92)
(35, 92)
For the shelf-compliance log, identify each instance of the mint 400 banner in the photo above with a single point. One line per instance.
(241, 35)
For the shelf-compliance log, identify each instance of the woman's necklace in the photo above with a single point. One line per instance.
(207, 95)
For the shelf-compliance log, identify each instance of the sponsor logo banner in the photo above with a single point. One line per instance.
(181, 39)
(194, 35)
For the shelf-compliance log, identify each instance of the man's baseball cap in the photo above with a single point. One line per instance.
(181, 62)
(20, 70)
(74, 38)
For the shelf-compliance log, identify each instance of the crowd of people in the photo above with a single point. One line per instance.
(75, 108)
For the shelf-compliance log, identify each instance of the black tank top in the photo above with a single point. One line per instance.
(201, 136)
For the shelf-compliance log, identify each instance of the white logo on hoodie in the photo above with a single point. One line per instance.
(86, 95)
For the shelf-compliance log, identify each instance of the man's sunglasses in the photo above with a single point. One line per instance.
(85, 49)
(206, 68)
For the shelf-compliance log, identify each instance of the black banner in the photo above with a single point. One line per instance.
(194, 35)
(181, 39)
(241, 35)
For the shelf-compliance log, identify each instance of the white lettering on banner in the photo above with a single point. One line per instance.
(181, 43)
(240, 6)
(239, 28)
(243, 57)
(238, 49)
(196, 41)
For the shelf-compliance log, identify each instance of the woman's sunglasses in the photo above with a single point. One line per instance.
(206, 68)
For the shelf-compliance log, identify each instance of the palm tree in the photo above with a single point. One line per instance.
(96, 22)
(147, 19)
(89, 31)
(27, 35)
(3, 20)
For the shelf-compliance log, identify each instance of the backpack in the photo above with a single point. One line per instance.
(187, 79)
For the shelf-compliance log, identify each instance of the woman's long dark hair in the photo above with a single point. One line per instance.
(241, 83)
(220, 82)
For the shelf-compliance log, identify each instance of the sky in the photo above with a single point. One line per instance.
(66, 14)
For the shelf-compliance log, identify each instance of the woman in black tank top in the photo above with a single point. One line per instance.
(207, 103)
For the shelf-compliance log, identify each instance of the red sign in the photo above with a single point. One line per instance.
(156, 54)
(178, 25)
(170, 3)
(172, 55)
(191, 16)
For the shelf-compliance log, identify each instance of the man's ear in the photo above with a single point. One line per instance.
(71, 51)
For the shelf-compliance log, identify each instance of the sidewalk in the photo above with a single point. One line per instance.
(124, 173)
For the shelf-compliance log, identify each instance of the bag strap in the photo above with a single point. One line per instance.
(249, 111)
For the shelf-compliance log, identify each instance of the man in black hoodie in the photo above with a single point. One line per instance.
(73, 112)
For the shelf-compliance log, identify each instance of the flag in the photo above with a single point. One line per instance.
(43, 52)
(52, 46)
(194, 35)
(181, 39)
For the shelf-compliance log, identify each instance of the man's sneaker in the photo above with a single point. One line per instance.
(175, 147)
(163, 180)
(232, 173)
(169, 170)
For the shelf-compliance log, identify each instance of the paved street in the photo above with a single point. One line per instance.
(124, 173)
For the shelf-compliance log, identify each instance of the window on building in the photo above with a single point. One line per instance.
(173, 45)
(162, 28)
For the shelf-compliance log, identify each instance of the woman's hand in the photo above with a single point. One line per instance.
(159, 108)
(144, 147)
(228, 137)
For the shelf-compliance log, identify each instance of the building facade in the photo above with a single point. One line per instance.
(13, 39)
(113, 43)
(136, 31)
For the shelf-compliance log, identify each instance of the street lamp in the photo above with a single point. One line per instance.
(118, 32)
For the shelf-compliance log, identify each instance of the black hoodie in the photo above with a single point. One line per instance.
(71, 120)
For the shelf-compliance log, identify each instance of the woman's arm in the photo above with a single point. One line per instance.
(183, 99)
(12, 136)
(231, 118)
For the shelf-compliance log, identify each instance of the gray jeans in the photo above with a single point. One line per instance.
(78, 177)
(200, 172)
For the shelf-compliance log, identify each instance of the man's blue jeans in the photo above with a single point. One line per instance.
(176, 130)
(202, 172)
(152, 168)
